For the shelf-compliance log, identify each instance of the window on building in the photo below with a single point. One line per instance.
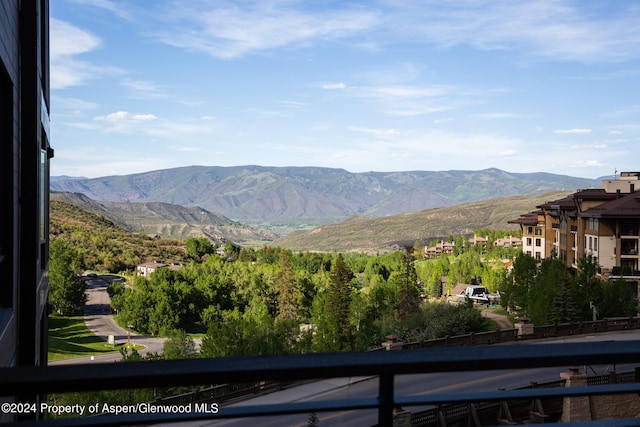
(538, 242)
(529, 241)
(538, 256)
(538, 231)
(529, 230)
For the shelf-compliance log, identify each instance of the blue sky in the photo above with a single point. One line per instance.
(388, 85)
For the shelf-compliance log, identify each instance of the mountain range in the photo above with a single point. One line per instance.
(311, 196)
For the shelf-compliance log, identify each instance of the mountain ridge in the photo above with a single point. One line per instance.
(312, 195)
(167, 220)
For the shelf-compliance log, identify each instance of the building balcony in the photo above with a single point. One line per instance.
(625, 271)
(383, 366)
(629, 247)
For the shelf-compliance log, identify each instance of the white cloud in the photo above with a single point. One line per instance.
(499, 116)
(572, 131)
(587, 164)
(375, 132)
(72, 106)
(120, 116)
(143, 89)
(230, 31)
(615, 132)
(149, 125)
(68, 42)
(334, 86)
(589, 147)
(560, 30)
(408, 100)
(108, 5)
(508, 153)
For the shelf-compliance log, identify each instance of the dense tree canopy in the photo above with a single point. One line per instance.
(549, 293)
(66, 290)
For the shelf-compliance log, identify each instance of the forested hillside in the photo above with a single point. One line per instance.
(168, 220)
(105, 246)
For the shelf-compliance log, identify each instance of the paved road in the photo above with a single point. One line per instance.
(100, 321)
(502, 320)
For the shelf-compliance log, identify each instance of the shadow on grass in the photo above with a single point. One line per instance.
(69, 337)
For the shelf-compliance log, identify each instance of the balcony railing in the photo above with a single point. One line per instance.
(385, 365)
(624, 272)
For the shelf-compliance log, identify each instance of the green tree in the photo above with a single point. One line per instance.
(550, 279)
(337, 306)
(418, 250)
(589, 288)
(66, 291)
(197, 247)
(617, 300)
(515, 289)
(565, 308)
(231, 251)
(408, 293)
(287, 293)
(179, 345)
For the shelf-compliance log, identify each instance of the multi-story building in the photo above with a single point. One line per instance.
(603, 223)
(24, 184)
(533, 236)
(439, 248)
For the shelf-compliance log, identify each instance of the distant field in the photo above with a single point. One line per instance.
(69, 337)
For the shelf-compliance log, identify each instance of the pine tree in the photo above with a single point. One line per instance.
(338, 303)
(565, 308)
(408, 295)
(287, 293)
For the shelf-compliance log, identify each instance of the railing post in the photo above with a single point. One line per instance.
(385, 397)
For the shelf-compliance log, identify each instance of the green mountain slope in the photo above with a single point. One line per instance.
(104, 244)
(168, 220)
(374, 235)
(313, 195)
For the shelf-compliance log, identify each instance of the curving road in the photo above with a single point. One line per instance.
(99, 320)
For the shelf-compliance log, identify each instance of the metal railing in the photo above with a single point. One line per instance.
(624, 272)
(386, 365)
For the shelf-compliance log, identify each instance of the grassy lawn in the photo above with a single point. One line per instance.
(69, 337)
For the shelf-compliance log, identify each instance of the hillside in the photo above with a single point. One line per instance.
(168, 220)
(313, 195)
(104, 244)
(374, 235)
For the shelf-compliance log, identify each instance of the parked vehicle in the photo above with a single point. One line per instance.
(479, 294)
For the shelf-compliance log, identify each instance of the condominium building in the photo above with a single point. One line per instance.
(603, 223)
(24, 182)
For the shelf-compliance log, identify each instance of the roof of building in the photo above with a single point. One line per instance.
(530, 218)
(566, 203)
(624, 206)
(152, 264)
